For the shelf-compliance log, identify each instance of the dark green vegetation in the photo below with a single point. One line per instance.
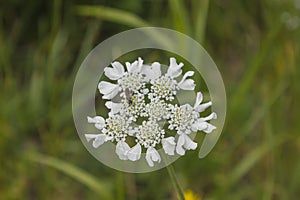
(255, 45)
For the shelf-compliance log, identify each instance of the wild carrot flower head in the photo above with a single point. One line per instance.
(147, 117)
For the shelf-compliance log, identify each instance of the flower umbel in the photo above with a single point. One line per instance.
(146, 118)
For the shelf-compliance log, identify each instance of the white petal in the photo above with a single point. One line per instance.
(169, 145)
(96, 120)
(115, 107)
(99, 122)
(202, 107)
(174, 69)
(139, 65)
(99, 140)
(209, 117)
(135, 67)
(156, 69)
(194, 127)
(155, 156)
(198, 126)
(199, 99)
(187, 74)
(203, 126)
(151, 72)
(112, 74)
(209, 128)
(189, 143)
(122, 149)
(180, 143)
(152, 155)
(188, 84)
(111, 95)
(109, 90)
(135, 152)
(148, 72)
(128, 66)
(90, 136)
(115, 72)
(106, 87)
(99, 126)
(148, 158)
(119, 67)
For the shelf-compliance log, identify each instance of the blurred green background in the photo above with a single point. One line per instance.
(255, 44)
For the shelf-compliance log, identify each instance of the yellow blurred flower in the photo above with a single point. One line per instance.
(190, 195)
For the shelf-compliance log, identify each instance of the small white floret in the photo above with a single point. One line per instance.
(152, 156)
(169, 145)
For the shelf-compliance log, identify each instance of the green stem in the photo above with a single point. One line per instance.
(175, 181)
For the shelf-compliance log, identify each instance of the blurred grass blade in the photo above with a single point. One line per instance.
(112, 15)
(201, 18)
(257, 115)
(87, 44)
(251, 159)
(254, 67)
(180, 16)
(73, 171)
(56, 15)
(56, 57)
(122, 17)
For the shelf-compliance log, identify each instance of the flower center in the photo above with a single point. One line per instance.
(116, 127)
(156, 110)
(134, 106)
(149, 134)
(132, 81)
(164, 88)
(181, 118)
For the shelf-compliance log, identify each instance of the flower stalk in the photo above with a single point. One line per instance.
(175, 181)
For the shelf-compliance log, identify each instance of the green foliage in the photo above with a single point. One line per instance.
(255, 47)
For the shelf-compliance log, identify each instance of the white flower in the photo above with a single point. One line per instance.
(99, 139)
(146, 99)
(135, 108)
(149, 134)
(156, 110)
(187, 84)
(131, 79)
(185, 143)
(126, 153)
(114, 107)
(122, 149)
(186, 118)
(115, 72)
(152, 155)
(174, 69)
(98, 121)
(109, 90)
(135, 152)
(116, 127)
(163, 88)
(152, 72)
(198, 107)
(136, 66)
(181, 118)
(169, 145)
(201, 124)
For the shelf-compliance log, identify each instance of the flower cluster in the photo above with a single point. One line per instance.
(146, 118)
